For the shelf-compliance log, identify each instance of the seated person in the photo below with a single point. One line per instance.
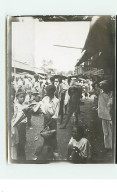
(79, 149)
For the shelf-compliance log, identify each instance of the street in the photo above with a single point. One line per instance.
(88, 117)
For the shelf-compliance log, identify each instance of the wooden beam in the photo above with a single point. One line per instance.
(67, 46)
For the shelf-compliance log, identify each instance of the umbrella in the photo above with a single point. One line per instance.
(81, 79)
(23, 73)
(73, 76)
(59, 76)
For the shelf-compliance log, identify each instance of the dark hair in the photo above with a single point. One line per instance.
(20, 91)
(106, 86)
(52, 79)
(80, 130)
(60, 79)
(95, 83)
(51, 88)
(36, 76)
(69, 80)
(79, 133)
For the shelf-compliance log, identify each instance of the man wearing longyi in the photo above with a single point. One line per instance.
(50, 109)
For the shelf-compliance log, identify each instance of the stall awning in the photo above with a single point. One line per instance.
(85, 56)
(100, 38)
(94, 72)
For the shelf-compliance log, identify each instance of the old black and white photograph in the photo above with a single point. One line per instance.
(61, 89)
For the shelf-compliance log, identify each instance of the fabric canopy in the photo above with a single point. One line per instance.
(84, 57)
(101, 38)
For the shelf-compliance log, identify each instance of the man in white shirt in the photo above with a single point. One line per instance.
(50, 109)
(104, 112)
(61, 91)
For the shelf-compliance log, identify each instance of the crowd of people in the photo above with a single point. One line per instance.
(55, 98)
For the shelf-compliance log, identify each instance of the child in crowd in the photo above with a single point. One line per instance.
(36, 99)
(18, 130)
(79, 149)
(27, 102)
(50, 108)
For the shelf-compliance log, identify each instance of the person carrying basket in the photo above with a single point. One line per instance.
(50, 109)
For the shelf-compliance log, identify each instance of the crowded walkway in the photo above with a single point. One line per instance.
(69, 92)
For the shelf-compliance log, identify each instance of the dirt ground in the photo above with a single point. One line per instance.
(95, 135)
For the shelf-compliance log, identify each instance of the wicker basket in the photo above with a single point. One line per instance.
(47, 133)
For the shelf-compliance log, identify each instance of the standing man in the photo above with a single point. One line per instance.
(105, 113)
(52, 80)
(61, 91)
(75, 93)
(50, 109)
